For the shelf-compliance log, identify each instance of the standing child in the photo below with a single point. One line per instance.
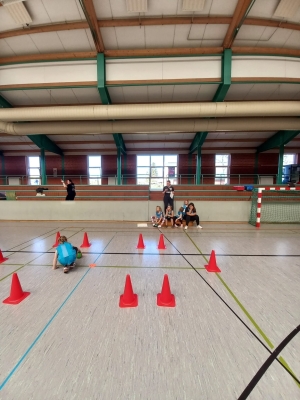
(178, 219)
(169, 216)
(158, 218)
(65, 254)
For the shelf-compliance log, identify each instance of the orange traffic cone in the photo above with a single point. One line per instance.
(161, 243)
(128, 299)
(85, 242)
(16, 292)
(140, 244)
(2, 259)
(212, 264)
(56, 239)
(166, 298)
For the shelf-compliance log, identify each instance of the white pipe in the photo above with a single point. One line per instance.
(153, 111)
(178, 125)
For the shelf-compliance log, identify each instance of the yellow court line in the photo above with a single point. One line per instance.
(248, 315)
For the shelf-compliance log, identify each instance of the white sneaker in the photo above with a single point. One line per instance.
(185, 227)
(176, 226)
(199, 226)
(159, 226)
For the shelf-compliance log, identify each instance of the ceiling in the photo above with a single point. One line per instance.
(79, 29)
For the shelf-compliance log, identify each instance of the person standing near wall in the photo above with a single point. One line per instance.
(168, 195)
(71, 193)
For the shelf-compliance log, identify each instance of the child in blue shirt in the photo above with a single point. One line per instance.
(65, 254)
(178, 219)
(158, 218)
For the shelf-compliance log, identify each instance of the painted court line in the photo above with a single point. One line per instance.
(251, 319)
(40, 334)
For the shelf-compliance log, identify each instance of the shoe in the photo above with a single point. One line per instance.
(176, 226)
(72, 265)
(153, 224)
(199, 227)
(159, 226)
(185, 227)
(66, 270)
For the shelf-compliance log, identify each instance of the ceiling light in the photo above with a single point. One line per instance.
(136, 6)
(193, 5)
(287, 9)
(18, 12)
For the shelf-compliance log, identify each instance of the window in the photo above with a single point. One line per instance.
(34, 170)
(94, 170)
(289, 159)
(156, 170)
(222, 169)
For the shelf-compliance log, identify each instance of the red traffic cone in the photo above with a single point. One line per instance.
(166, 298)
(212, 264)
(161, 243)
(140, 244)
(56, 239)
(85, 242)
(2, 259)
(16, 292)
(128, 299)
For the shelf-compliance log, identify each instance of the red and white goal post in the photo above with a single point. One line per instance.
(260, 197)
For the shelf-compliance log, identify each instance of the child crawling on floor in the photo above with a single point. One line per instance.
(65, 254)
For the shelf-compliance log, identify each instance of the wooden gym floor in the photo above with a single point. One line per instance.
(70, 340)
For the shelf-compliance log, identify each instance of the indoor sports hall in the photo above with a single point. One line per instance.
(150, 199)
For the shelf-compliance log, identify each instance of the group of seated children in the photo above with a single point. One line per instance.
(187, 212)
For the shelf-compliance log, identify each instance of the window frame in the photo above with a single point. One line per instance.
(34, 179)
(157, 182)
(91, 179)
(220, 180)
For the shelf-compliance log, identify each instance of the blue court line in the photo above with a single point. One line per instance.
(40, 334)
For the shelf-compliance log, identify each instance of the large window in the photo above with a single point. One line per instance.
(222, 163)
(34, 170)
(289, 159)
(156, 170)
(94, 170)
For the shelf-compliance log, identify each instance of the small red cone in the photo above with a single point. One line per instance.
(56, 239)
(2, 259)
(16, 292)
(140, 244)
(161, 243)
(128, 299)
(166, 298)
(212, 264)
(85, 242)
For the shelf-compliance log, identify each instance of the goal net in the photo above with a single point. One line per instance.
(274, 206)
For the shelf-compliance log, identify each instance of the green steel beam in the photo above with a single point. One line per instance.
(119, 166)
(43, 142)
(101, 80)
(280, 138)
(226, 77)
(198, 166)
(4, 103)
(198, 141)
(221, 91)
(280, 164)
(118, 138)
(43, 167)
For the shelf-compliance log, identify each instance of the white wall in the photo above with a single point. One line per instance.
(45, 210)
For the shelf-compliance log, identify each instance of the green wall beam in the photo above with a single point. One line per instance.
(197, 141)
(226, 76)
(280, 138)
(280, 164)
(43, 167)
(43, 142)
(101, 80)
(118, 138)
(198, 166)
(4, 103)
